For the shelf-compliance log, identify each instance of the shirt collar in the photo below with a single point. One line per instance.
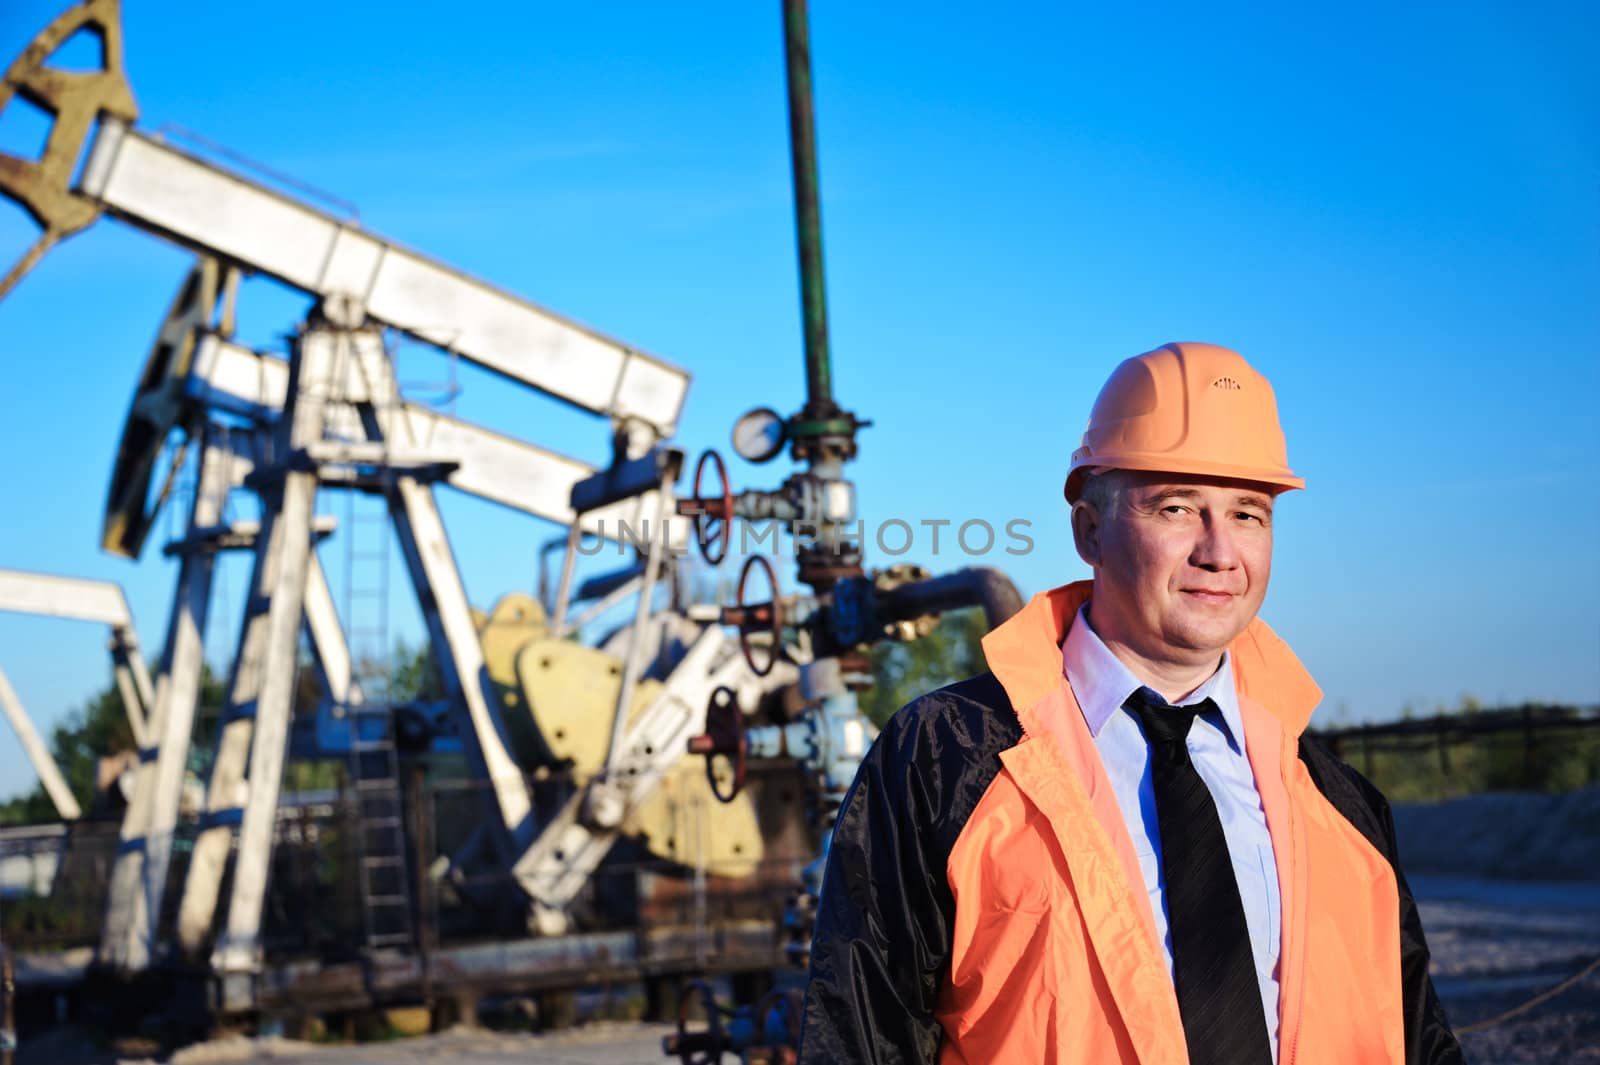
(1101, 682)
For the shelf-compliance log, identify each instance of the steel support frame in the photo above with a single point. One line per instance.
(248, 770)
(227, 376)
(634, 663)
(466, 679)
(254, 738)
(78, 599)
(139, 876)
(441, 595)
(55, 785)
(133, 681)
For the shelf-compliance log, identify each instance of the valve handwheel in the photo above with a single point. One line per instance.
(708, 509)
(699, 1048)
(724, 735)
(757, 617)
(785, 1006)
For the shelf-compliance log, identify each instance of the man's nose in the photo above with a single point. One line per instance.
(1215, 549)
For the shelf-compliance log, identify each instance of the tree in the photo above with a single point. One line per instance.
(99, 728)
(903, 671)
(412, 674)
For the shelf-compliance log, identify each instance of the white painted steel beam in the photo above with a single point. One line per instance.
(288, 540)
(343, 379)
(502, 469)
(256, 732)
(55, 785)
(134, 902)
(263, 703)
(443, 597)
(329, 649)
(64, 597)
(139, 875)
(157, 187)
(80, 599)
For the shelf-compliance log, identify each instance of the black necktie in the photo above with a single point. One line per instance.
(1213, 968)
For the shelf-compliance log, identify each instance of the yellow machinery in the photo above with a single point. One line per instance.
(556, 697)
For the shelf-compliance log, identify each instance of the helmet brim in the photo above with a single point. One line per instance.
(1280, 480)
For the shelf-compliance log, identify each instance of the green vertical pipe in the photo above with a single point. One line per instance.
(807, 208)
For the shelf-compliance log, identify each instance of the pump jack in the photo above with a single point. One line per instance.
(331, 416)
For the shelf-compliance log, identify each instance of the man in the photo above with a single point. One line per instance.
(1118, 846)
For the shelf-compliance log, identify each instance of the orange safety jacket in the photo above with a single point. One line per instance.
(983, 902)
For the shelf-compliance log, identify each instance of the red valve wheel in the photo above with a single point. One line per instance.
(758, 617)
(724, 735)
(713, 541)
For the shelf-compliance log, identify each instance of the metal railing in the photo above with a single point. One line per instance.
(313, 907)
(1525, 748)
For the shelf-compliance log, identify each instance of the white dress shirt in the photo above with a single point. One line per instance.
(1101, 682)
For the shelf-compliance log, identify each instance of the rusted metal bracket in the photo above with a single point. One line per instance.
(75, 101)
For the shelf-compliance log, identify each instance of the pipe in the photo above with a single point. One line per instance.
(807, 209)
(982, 586)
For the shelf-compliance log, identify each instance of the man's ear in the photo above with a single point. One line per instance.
(1086, 531)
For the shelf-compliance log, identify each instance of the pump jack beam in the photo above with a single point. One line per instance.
(155, 186)
(228, 376)
(80, 600)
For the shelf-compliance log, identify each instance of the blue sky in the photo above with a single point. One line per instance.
(1392, 214)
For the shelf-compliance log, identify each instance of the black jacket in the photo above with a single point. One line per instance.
(882, 940)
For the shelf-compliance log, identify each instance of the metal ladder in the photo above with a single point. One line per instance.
(367, 535)
(368, 530)
(380, 827)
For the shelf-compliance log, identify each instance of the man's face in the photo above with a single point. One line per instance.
(1181, 563)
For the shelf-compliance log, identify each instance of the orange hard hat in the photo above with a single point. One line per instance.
(1185, 408)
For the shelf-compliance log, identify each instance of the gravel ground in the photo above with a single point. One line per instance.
(1497, 944)
(1507, 835)
(593, 1044)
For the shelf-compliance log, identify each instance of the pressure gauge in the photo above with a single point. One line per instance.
(759, 435)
